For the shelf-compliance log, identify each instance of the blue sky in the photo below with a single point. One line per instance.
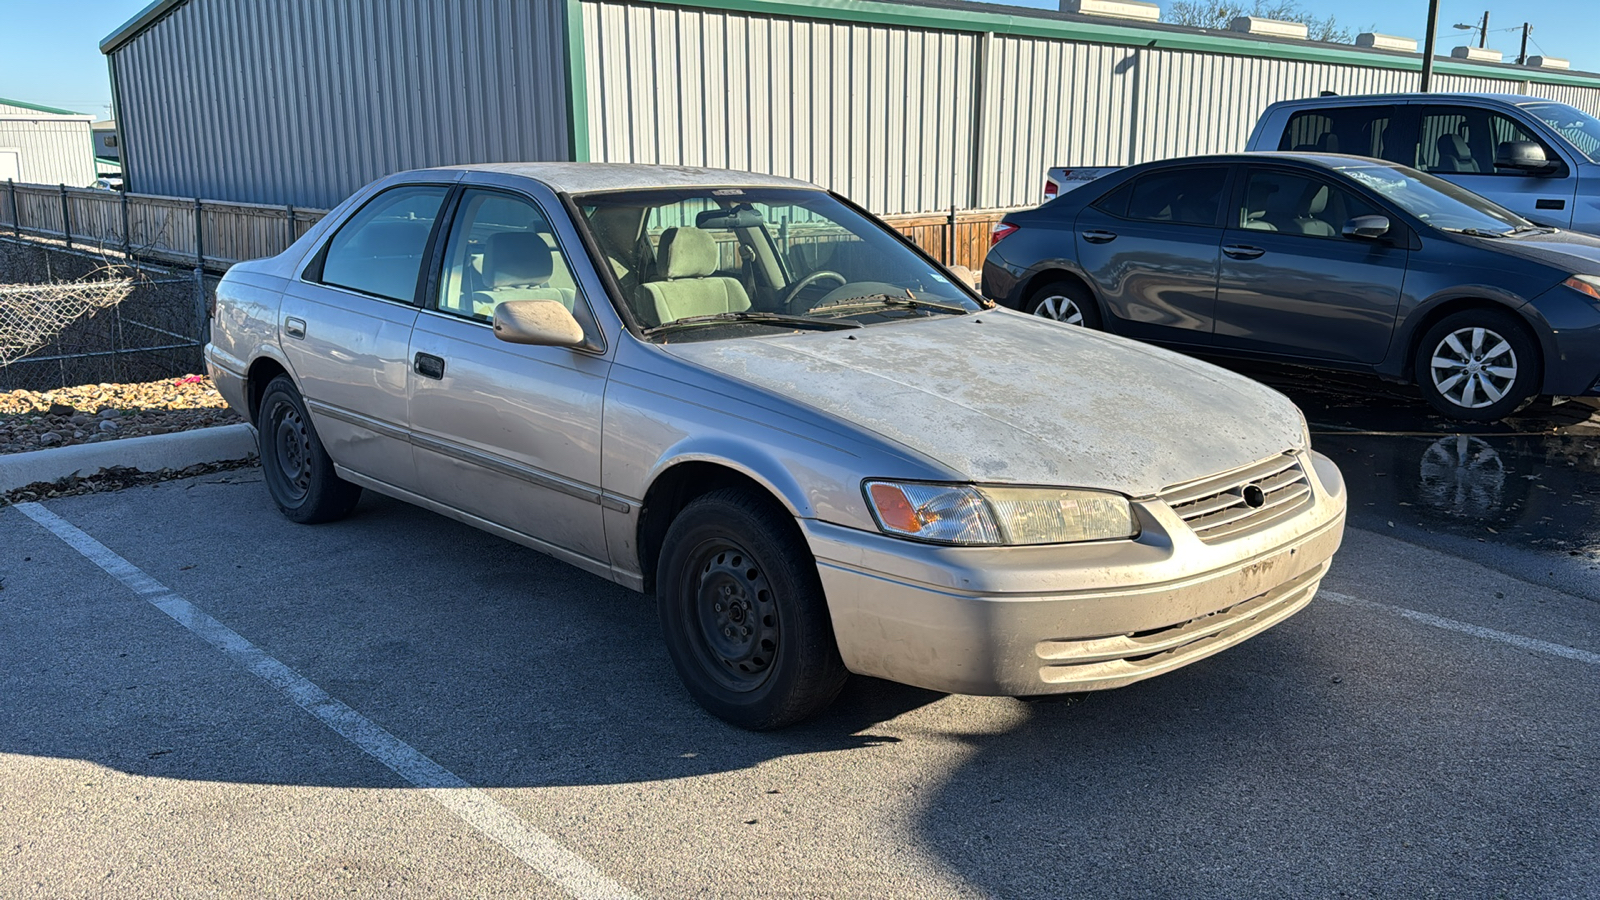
(52, 49)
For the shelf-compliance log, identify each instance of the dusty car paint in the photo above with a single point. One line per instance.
(985, 397)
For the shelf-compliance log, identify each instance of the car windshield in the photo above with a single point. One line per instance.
(1436, 201)
(710, 263)
(1579, 128)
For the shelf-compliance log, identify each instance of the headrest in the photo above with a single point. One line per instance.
(1328, 143)
(688, 252)
(1319, 201)
(516, 259)
(1454, 145)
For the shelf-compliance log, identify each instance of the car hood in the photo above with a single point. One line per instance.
(1004, 397)
(1570, 251)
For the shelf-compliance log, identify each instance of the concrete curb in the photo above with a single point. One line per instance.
(151, 453)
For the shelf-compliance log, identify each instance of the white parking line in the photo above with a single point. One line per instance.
(1478, 631)
(542, 853)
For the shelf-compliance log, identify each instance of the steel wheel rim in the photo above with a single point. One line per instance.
(1060, 308)
(1473, 367)
(292, 450)
(731, 614)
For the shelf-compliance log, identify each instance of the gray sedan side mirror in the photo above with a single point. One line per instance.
(1523, 156)
(540, 323)
(1367, 228)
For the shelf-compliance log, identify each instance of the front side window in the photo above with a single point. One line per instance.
(1292, 203)
(1182, 196)
(379, 250)
(502, 248)
(707, 263)
(1358, 130)
(1579, 128)
(1461, 140)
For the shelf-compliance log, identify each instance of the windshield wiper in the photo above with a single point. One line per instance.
(1530, 229)
(764, 318)
(1477, 232)
(903, 300)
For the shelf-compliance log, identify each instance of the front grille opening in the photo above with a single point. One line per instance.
(1220, 507)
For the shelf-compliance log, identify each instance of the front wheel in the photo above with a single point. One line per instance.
(744, 615)
(1066, 302)
(298, 471)
(1479, 364)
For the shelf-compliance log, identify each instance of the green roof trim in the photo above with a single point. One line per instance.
(943, 18)
(577, 85)
(37, 108)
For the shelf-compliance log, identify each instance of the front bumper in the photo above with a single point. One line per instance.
(1022, 621)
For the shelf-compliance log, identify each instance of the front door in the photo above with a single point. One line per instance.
(1150, 247)
(346, 329)
(1459, 143)
(507, 433)
(1291, 282)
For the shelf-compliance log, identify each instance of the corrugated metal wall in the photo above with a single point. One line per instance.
(52, 150)
(885, 114)
(303, 101)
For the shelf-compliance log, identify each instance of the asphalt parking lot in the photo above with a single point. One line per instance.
(206, 700)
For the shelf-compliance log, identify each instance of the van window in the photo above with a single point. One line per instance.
(1357, 130)
(1462, 140)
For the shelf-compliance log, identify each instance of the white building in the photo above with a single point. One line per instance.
(40, 145)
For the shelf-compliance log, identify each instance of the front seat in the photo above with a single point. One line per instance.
(1455, 155)
(688, 258)
(517, 266)
(1315, 222)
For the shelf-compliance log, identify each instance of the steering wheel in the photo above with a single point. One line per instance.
(814, 277)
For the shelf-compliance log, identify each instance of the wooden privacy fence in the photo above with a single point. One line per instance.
(213, 234)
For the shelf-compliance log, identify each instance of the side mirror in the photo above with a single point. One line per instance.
(1523, 156)
(540, 323)
(1367, 228)
(966, 275)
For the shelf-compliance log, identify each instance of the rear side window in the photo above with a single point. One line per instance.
(1357, 130)
(1181, 196)
(379, 251)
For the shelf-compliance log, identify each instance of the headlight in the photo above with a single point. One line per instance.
(977, 515)
(1585, 284)
(1305, 433)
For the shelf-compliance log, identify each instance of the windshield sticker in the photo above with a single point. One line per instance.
(727, 192)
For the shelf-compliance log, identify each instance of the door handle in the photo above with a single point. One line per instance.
(1099, 237)
(1241, 251)
(295, 328)
(429, 366)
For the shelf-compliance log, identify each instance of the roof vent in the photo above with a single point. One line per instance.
(1115, 9)
(1476, 54)
(1549, 62)
(1386, 42)
(1270, 27)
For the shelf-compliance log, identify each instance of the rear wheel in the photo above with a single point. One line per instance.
(298, 472)
(1478, 364)
(744, 615)
(1065, 301)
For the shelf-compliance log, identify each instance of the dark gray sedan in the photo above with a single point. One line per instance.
(1326, 260)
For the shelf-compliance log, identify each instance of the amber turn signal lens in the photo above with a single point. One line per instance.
(894, 509)
(1586, 284)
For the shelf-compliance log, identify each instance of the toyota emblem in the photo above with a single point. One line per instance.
(1254, 497)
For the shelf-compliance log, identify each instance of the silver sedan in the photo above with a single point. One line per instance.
(817, 448)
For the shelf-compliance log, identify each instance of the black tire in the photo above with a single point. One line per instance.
(1468, 357)
(1064, 301)
(297, 470)
(743, 612)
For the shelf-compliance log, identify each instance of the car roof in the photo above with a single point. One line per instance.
(1325, 160)
(580, 177)
(1341, 100)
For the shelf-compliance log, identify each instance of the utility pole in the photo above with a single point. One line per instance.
(1483, 31)
(1522, 57)
(1427, 49)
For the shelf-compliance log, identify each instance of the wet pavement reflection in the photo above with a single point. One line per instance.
(1528, 486)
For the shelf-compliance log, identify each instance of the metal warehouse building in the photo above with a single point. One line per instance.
(40, 145)
(903, 106)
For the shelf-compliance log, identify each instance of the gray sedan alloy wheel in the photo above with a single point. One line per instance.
(1474, 367)
(1478, 364)
(1060, 308)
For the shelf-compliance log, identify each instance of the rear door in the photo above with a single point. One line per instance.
(1291, 283)
(1151, 247)
(346, 328)
(1458, 143)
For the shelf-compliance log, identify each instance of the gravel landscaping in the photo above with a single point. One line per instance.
(37, 420)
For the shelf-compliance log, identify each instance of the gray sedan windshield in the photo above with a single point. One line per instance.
(1436, 201)
(1579, 128)
(709, 263)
